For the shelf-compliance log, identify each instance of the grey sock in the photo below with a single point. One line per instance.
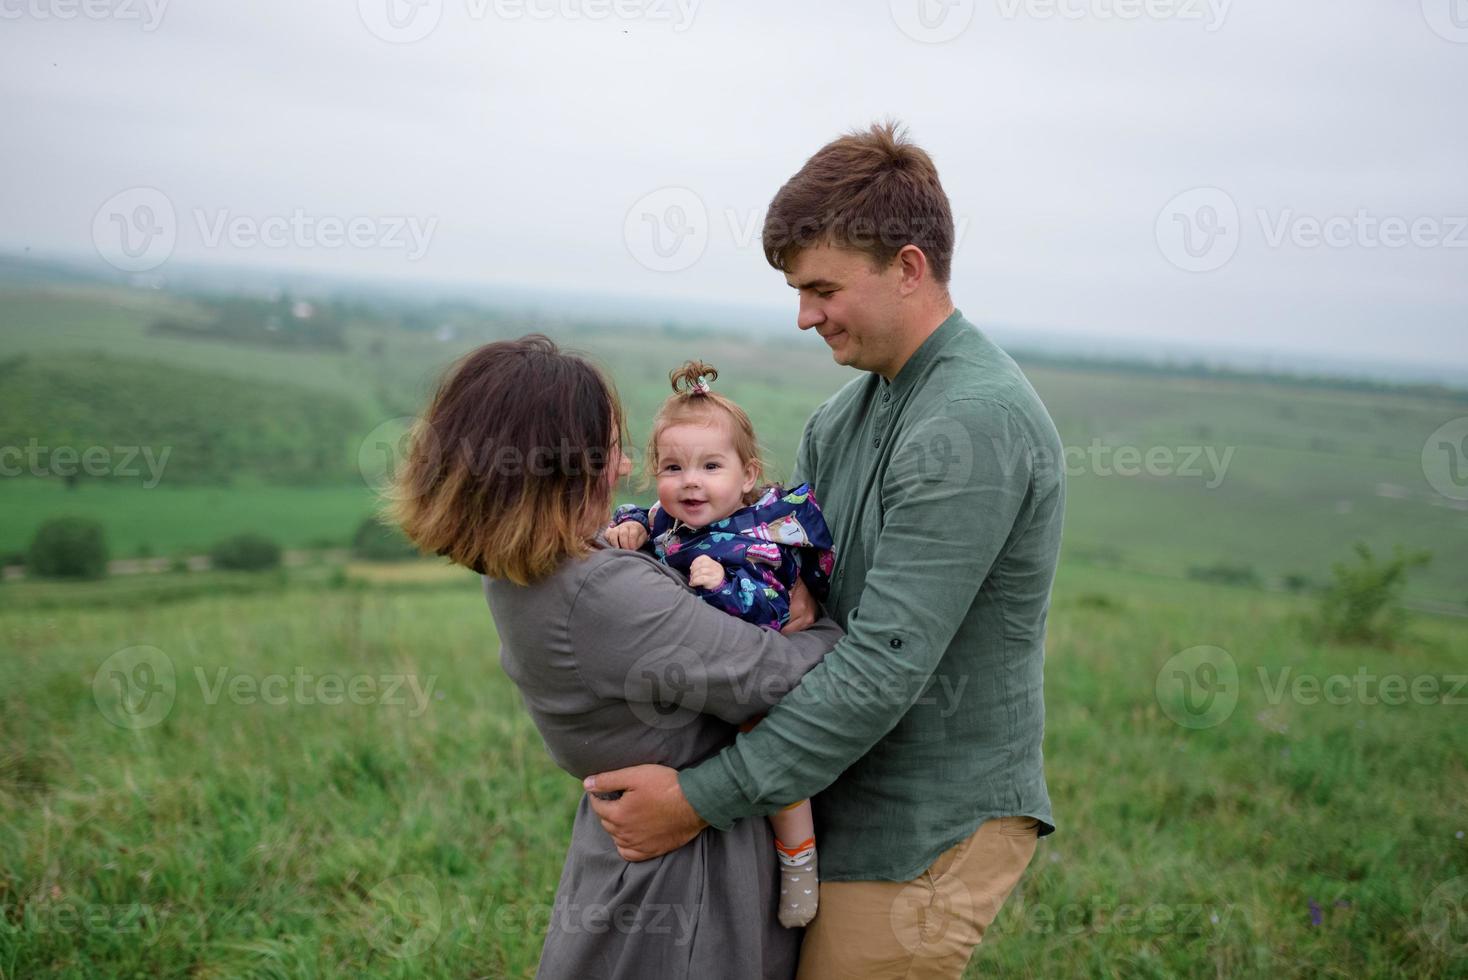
(800, 890)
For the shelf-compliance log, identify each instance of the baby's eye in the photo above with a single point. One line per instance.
(671, 468)
(712, 466)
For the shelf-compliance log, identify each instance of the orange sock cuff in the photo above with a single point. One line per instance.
(792, 851)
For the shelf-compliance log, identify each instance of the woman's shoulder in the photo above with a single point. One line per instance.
(570, 577)
(618, 573)
(606, 581)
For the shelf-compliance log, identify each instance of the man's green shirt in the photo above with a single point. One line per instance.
(945, 492)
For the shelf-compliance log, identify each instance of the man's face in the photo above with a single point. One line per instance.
(852, 305)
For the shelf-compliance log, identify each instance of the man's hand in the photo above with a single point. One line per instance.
(802, 609)
(628, 534)
(705, 573)
(651, 817)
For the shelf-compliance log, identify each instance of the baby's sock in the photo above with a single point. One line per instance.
(799, 887)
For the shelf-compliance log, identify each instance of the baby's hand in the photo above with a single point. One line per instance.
(628, 534)
(705, 573)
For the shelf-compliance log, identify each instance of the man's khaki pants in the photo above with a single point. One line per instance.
(927, 927)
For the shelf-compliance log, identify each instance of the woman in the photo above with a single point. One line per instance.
(511, 473)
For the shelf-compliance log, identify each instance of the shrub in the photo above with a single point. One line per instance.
(68, 547)
(376, 541)
(1362, 601)
(1225, 574)
(245, 553)
(1297, 582)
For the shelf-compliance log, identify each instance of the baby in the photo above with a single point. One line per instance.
(742, 547)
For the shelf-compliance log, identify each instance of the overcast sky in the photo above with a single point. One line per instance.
(1284, 175)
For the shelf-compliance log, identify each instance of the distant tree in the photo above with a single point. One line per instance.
(1222, 573)
(376, 541)
(68, 547)
(1297, 582)
(246, 553)
(1362, 602)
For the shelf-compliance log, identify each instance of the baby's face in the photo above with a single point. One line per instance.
(700, 477)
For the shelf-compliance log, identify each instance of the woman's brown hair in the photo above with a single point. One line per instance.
(509, 461)
(693, 402)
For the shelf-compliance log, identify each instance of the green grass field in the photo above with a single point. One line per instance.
(1276, 477)
(420, 832)
(323, 772)
(169, 520)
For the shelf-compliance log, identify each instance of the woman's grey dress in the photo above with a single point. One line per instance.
(620, 663)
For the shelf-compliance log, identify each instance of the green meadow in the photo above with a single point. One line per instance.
(288, 831)
(1170, 472)
(322, 771)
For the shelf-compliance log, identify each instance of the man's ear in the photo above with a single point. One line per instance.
(912, 268)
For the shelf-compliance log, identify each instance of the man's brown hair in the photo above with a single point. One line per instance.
(508, 464)
(873, 191)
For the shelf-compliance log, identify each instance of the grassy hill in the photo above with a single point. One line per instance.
(1290, 833)
(1263, 476)
(186, 426)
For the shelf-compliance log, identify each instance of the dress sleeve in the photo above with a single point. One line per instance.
(639, 636)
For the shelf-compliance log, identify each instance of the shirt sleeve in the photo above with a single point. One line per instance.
(955, 491)
(643, 638)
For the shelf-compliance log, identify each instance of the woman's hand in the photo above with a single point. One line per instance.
(628, 534)
(802, 609)
(705, 573)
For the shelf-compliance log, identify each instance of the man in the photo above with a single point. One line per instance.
(939, 472)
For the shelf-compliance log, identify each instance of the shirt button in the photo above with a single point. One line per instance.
(876, 443)
(895, 643)
(886, 396)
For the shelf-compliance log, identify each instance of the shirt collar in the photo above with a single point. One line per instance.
(910, 372)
